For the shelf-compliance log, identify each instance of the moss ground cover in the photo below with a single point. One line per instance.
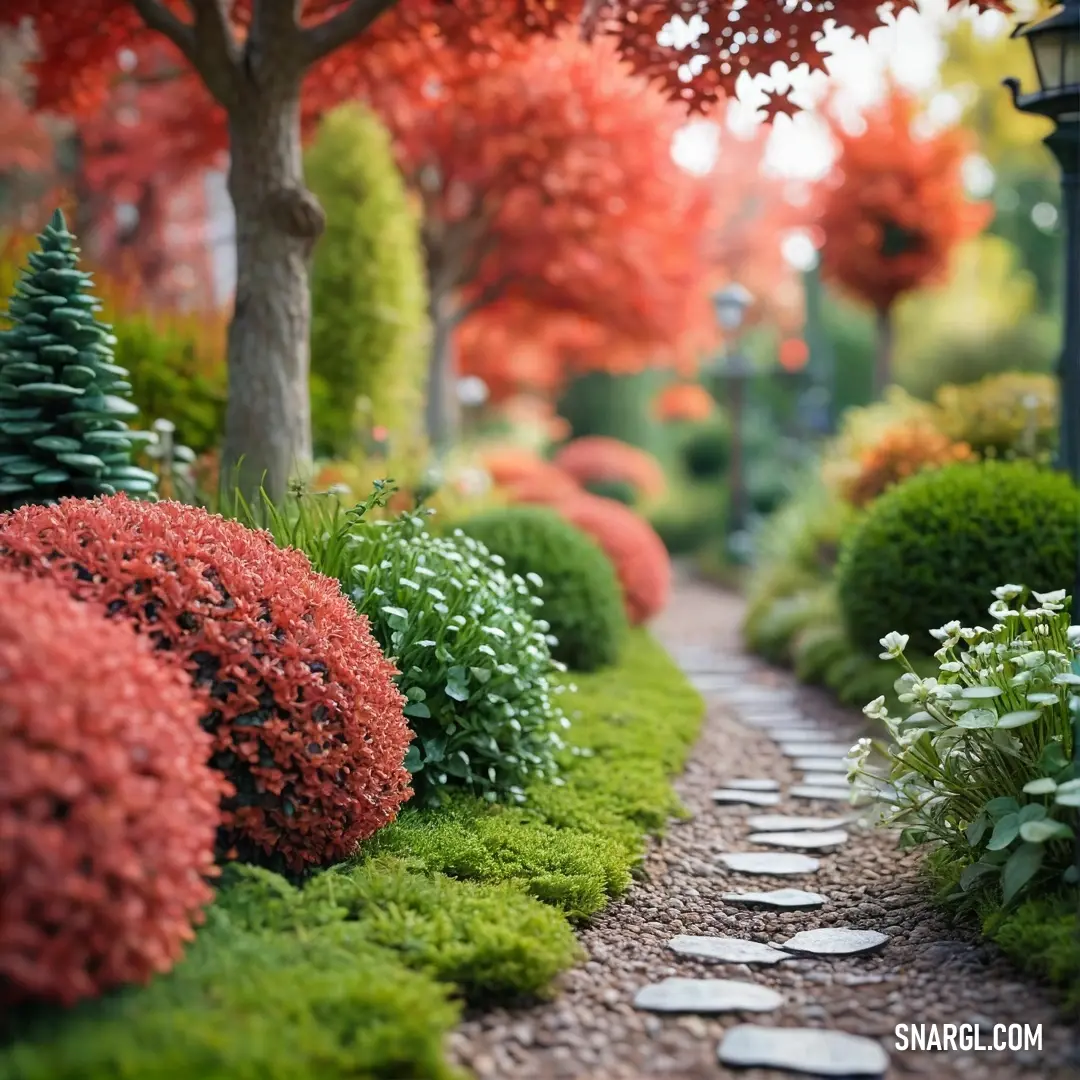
(361, 972)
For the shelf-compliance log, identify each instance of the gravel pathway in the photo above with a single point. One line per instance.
(928, 971)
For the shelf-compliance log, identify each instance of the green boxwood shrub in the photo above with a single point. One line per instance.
(582, 597)
(935, 547)
(475, 662)
(706, 450)
(369, 322)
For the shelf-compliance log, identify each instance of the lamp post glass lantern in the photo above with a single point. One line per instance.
(731, 304)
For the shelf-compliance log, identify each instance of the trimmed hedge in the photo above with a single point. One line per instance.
(934, 548)
(369, 322)
(581, 594)
(350, 978)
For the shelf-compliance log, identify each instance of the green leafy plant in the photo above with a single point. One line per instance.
(474, 657)
(64, 403)
(983, 762)
(932, 548)
(369, 323)
(581, 594)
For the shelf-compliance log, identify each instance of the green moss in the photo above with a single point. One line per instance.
(1042, 936)
(247, 1005)
(353, 975)
(369, 323)
(583, 601)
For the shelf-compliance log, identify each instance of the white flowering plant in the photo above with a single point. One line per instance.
(984, 761)
(474, 656)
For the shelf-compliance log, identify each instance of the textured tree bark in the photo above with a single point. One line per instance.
(442, 404)
(884, 355)
(268, 418)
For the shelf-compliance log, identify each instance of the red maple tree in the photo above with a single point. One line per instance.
(892, 210)
(259, 58)
(546, 180)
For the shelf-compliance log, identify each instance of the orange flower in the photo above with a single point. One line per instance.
(902, 451)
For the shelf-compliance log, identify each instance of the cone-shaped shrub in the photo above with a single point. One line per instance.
(63, 402)
(108, 809)
(305, 718)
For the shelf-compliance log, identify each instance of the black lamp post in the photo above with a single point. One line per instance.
(731, 304)
(1055, 47)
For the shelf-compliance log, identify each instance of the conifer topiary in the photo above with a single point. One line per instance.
(63, 402)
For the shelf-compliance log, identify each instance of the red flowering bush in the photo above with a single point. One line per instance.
(599, 459)
(641, 561)
(108, 810)
(306, 722)
(685, 402)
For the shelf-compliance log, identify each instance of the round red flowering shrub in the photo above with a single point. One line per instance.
(108, 809)
(599, 459)
(306, 722)
(641, 561)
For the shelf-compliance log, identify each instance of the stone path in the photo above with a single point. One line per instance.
(790, 955)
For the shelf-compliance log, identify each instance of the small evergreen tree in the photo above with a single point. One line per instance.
(63, 402)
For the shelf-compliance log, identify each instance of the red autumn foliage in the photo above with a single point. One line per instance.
(683, 402)
(509, 466)
(641, 561)
(546, 181)
(108, 809)
(794, 353)
(306, 722)
(599, 459)
(894, 206)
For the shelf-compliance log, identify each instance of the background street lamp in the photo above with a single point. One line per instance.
(1055, 47)
(731, 304)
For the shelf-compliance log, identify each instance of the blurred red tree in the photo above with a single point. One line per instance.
(547, 181)
(892, 210)
(259, 58)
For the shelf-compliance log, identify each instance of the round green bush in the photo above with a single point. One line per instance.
(582, 598)
(934, 548)
(369, 322)
(706, 451)
(473, 655)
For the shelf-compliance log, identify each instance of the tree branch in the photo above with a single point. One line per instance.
(160, 18)
(487, 295)
(217, 52)
(323, 38)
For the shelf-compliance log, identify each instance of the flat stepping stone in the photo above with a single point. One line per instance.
(805, 1050)
(804, 841)
(794, 823)
(728, 950)
(814, 749)
(744, 784)
(734, 796)
(821, 764)
(788, 899)
(836, 941)
(707, 996)
(793, 735)
(771, 863)
(825, 794)
(825, 779)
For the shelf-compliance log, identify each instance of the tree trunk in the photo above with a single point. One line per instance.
(268, 418)
(442, 403)
(884, 355)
